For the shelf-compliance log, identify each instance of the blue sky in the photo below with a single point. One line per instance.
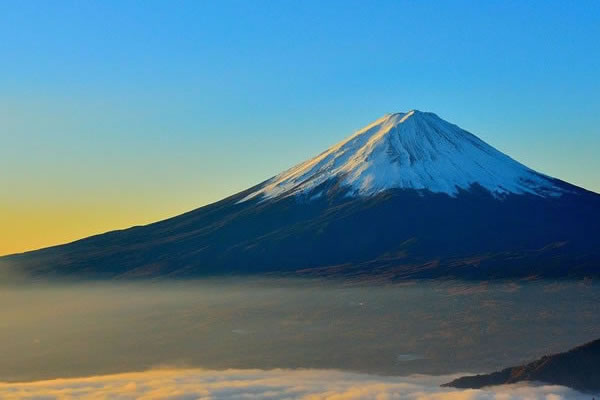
(142, 109)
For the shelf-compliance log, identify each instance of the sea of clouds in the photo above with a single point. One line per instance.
(188, 384)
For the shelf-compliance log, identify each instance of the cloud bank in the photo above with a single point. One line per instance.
(189, 384)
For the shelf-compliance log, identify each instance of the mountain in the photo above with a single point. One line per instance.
(413, 150)
(578, 368)
(408, 196)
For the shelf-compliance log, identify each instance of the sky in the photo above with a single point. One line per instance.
(120, 113)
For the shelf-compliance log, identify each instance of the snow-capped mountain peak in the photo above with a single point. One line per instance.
(414, 150)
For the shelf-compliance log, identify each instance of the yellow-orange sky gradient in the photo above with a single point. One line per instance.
(34, 226)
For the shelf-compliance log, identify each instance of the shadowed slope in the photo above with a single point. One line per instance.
(578, 368)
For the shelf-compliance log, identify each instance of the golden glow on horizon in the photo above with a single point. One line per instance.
(34, 226)
(276, 384)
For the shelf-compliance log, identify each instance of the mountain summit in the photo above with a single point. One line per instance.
(413, 150)
(408, 196)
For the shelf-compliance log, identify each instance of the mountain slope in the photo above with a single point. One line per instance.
(413, 150)
(578, 368)
(409, 196)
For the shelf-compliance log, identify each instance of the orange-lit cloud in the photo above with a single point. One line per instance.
(272, 384)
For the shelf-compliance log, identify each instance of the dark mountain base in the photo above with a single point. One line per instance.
(578, 368)
(395, 235)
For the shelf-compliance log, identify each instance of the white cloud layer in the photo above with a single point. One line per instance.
(191, 384)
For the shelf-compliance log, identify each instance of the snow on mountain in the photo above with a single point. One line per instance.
(413, 150)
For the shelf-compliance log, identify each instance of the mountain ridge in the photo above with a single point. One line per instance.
(576, 368)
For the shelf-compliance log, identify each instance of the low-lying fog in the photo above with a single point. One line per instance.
(425, 328)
